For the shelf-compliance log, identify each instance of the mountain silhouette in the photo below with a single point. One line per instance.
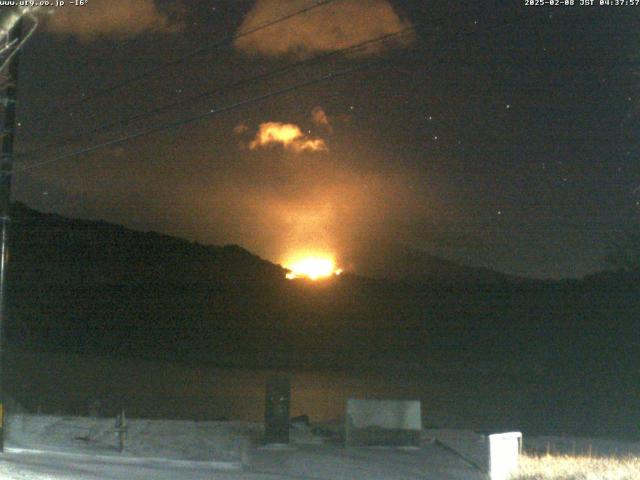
(94, 287)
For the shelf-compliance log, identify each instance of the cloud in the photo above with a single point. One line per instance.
(288, 135)
(330, 27)
(113, 18)
(320, 118)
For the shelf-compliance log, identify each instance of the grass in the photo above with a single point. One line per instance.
(567, 467)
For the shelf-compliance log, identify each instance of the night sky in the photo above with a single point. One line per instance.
(494, 133)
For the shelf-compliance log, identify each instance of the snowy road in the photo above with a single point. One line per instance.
(304, 462)
(47, 467)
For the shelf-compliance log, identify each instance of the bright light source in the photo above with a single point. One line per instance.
(313, 267)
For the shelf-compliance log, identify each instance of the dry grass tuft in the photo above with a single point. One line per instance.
(565, 467)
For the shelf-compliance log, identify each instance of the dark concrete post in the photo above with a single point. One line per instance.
(276, 414)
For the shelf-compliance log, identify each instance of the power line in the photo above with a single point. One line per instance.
(263, 97)
(209, 93)
(220, 43)
(250, 80)
(195, 118)
(267, 75)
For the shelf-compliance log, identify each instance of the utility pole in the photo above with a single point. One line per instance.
(9, 98)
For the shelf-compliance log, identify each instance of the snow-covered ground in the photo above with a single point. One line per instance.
(56, 448)
(222, 442)
(304, 462)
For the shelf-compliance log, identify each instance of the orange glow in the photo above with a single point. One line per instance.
(288, 135)
(313, 267)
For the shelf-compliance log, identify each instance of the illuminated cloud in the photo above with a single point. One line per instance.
(113, 18)
(320, 118)
(288, 135)
(334, 26)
